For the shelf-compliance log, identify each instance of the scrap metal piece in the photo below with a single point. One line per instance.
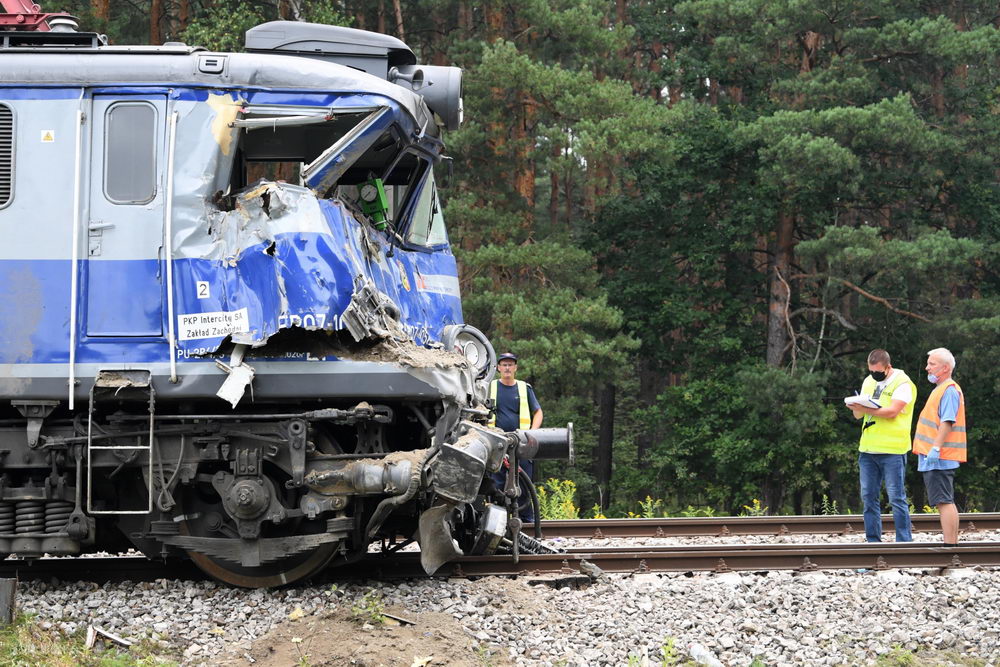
(459, 467)
(492, 528)
(239, 377)
(437, 546)
(370, 314)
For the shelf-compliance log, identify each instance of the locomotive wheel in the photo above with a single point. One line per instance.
(205, 516)
(271, 575)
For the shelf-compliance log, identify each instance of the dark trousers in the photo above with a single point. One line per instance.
(500, 479)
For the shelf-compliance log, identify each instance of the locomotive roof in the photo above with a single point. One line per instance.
(182, 65)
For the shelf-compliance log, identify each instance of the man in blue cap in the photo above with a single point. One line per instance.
(515, 407)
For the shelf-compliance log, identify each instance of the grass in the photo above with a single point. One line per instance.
(25, 643)
(900, 657)
(369, 608)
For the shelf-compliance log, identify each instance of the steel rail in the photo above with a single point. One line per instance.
(717, 558)
(836, 524)
(575, 563)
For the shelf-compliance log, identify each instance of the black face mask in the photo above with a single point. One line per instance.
(878, 376)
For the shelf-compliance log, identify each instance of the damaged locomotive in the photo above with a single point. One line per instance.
(230, 321)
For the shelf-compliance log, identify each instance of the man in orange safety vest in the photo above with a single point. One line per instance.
(940, 440)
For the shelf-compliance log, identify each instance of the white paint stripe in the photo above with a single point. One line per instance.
(440, 284)
(169, 247)
(76, 257)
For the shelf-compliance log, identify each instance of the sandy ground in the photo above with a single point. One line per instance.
(339, 637)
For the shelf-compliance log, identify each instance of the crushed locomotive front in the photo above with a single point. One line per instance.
(230, 321)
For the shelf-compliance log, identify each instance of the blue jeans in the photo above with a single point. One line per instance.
(891, 469)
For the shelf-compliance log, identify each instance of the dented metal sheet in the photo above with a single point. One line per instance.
(283, 259)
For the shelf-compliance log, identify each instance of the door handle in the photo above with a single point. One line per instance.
(96, 232)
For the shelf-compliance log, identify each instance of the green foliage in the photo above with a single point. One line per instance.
(24, 643)
(668, 652)
(223, 26)
(651, 509)
(369, 608)
(897, 657)
(556, 499)
(755, 508)
(828, 507)
(691, 511)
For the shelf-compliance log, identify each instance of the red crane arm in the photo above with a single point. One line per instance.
(24, 15)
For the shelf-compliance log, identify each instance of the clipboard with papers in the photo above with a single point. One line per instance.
(862, 401)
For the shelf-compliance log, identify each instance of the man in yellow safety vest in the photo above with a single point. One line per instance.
(885, 440)
(515, 407)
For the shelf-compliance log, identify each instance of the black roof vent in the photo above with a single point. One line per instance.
(370, 52)
(51, 39)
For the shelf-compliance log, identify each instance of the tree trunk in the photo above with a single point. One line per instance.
(774, 491)
(605, 443)
(937, 91)
(465, 17)
(400, 30)
(100, 9)
(780, 296)
(554, 185)
(155, 11)
(381, 16)
(494, 19)
(184, 14)
(524, 163)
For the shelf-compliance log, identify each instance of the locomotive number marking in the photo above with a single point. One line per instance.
(213, 325)
(202, 286)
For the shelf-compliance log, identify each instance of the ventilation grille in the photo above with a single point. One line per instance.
(6, 154)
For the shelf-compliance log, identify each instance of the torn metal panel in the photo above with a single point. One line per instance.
(327, 169)
(370, 314)
(283, 258)
(240, 375)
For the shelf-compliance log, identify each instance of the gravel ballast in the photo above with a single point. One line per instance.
(833, 617)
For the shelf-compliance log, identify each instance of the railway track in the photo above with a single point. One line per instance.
(572, 563)
(838, 524)
(716, 558)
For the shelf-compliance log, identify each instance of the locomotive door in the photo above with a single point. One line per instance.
(124, 276)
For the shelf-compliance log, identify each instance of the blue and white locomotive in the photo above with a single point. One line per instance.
(230, 321)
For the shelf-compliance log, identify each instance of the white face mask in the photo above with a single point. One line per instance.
(933, 379)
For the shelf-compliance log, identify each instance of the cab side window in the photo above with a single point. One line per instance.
(427, 226)
(6, 155)
(130, 153)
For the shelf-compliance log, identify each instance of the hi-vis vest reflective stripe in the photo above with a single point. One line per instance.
(522, 398)
(954, 446)
(887, 436)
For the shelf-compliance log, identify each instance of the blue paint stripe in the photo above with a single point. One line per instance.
(23, 92)
(309, 270)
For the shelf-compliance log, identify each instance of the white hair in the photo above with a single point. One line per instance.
(943, 354)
